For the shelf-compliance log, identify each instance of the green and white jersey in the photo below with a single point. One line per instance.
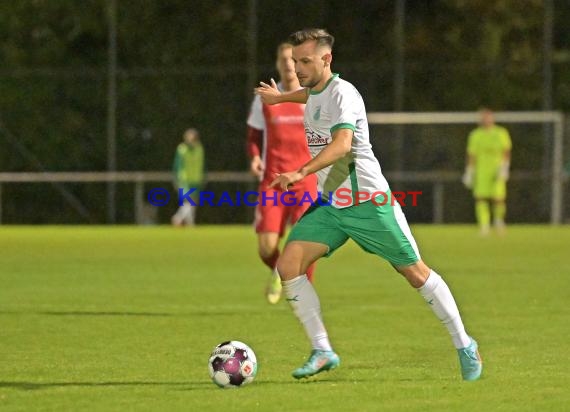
(340, 106)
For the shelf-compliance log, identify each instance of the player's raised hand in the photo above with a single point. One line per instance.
(269, 93)
(285, 180)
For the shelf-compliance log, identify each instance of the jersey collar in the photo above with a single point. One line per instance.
(334, 76)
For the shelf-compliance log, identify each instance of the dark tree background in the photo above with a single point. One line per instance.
(184, 63)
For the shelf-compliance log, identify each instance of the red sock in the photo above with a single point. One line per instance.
(310, 271)
(271, 261)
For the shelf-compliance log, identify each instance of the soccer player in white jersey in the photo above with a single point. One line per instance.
(337, 134)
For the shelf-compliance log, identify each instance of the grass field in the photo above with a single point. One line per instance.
(117, 319)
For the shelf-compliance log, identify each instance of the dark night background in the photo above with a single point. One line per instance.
(186, 63)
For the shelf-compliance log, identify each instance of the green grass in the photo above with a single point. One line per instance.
(117, 319)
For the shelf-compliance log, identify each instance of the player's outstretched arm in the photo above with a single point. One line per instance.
(270, 94)
(337, 149)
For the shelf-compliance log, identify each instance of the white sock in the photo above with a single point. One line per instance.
(305, 303)
(437, 294)
(181, 213)
(191, 216)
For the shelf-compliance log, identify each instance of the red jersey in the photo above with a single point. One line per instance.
(282, 144)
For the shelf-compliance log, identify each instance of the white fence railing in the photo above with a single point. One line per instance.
(556, 119)
(437, 178)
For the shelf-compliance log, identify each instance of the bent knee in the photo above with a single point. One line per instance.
(267, 246)
(291, 262)
(288, 268)
(266, 251)
(415, 274)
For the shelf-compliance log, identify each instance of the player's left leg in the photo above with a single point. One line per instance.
(394, 242)
(436, 293)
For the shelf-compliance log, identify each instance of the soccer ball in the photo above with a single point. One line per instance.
(232, 364)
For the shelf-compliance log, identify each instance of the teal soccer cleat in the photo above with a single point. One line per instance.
(319, 361)
(470, 361)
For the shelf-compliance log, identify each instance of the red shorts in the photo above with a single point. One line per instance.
(277, 208)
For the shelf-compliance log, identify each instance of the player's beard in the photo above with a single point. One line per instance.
(310, 83)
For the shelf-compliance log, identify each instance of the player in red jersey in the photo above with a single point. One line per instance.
(275, 142)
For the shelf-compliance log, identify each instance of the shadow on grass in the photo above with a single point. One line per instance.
(316, 381)
(30, 386)
(118, 313)
(94, 313)
(182, 386)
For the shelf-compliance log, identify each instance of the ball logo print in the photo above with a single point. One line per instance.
(232, 364)
(247, 369)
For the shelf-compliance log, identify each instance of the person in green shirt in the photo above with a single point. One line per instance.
(188, 169)
(487, 171)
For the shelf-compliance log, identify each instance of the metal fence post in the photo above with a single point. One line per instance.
(138, 201)
(438, 194)
(557, 172)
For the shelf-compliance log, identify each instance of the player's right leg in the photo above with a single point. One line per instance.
(301, 295)
(270, 221)
(268, 249)
(314, 236)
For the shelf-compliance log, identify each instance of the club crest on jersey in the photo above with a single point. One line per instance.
(317, 114)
